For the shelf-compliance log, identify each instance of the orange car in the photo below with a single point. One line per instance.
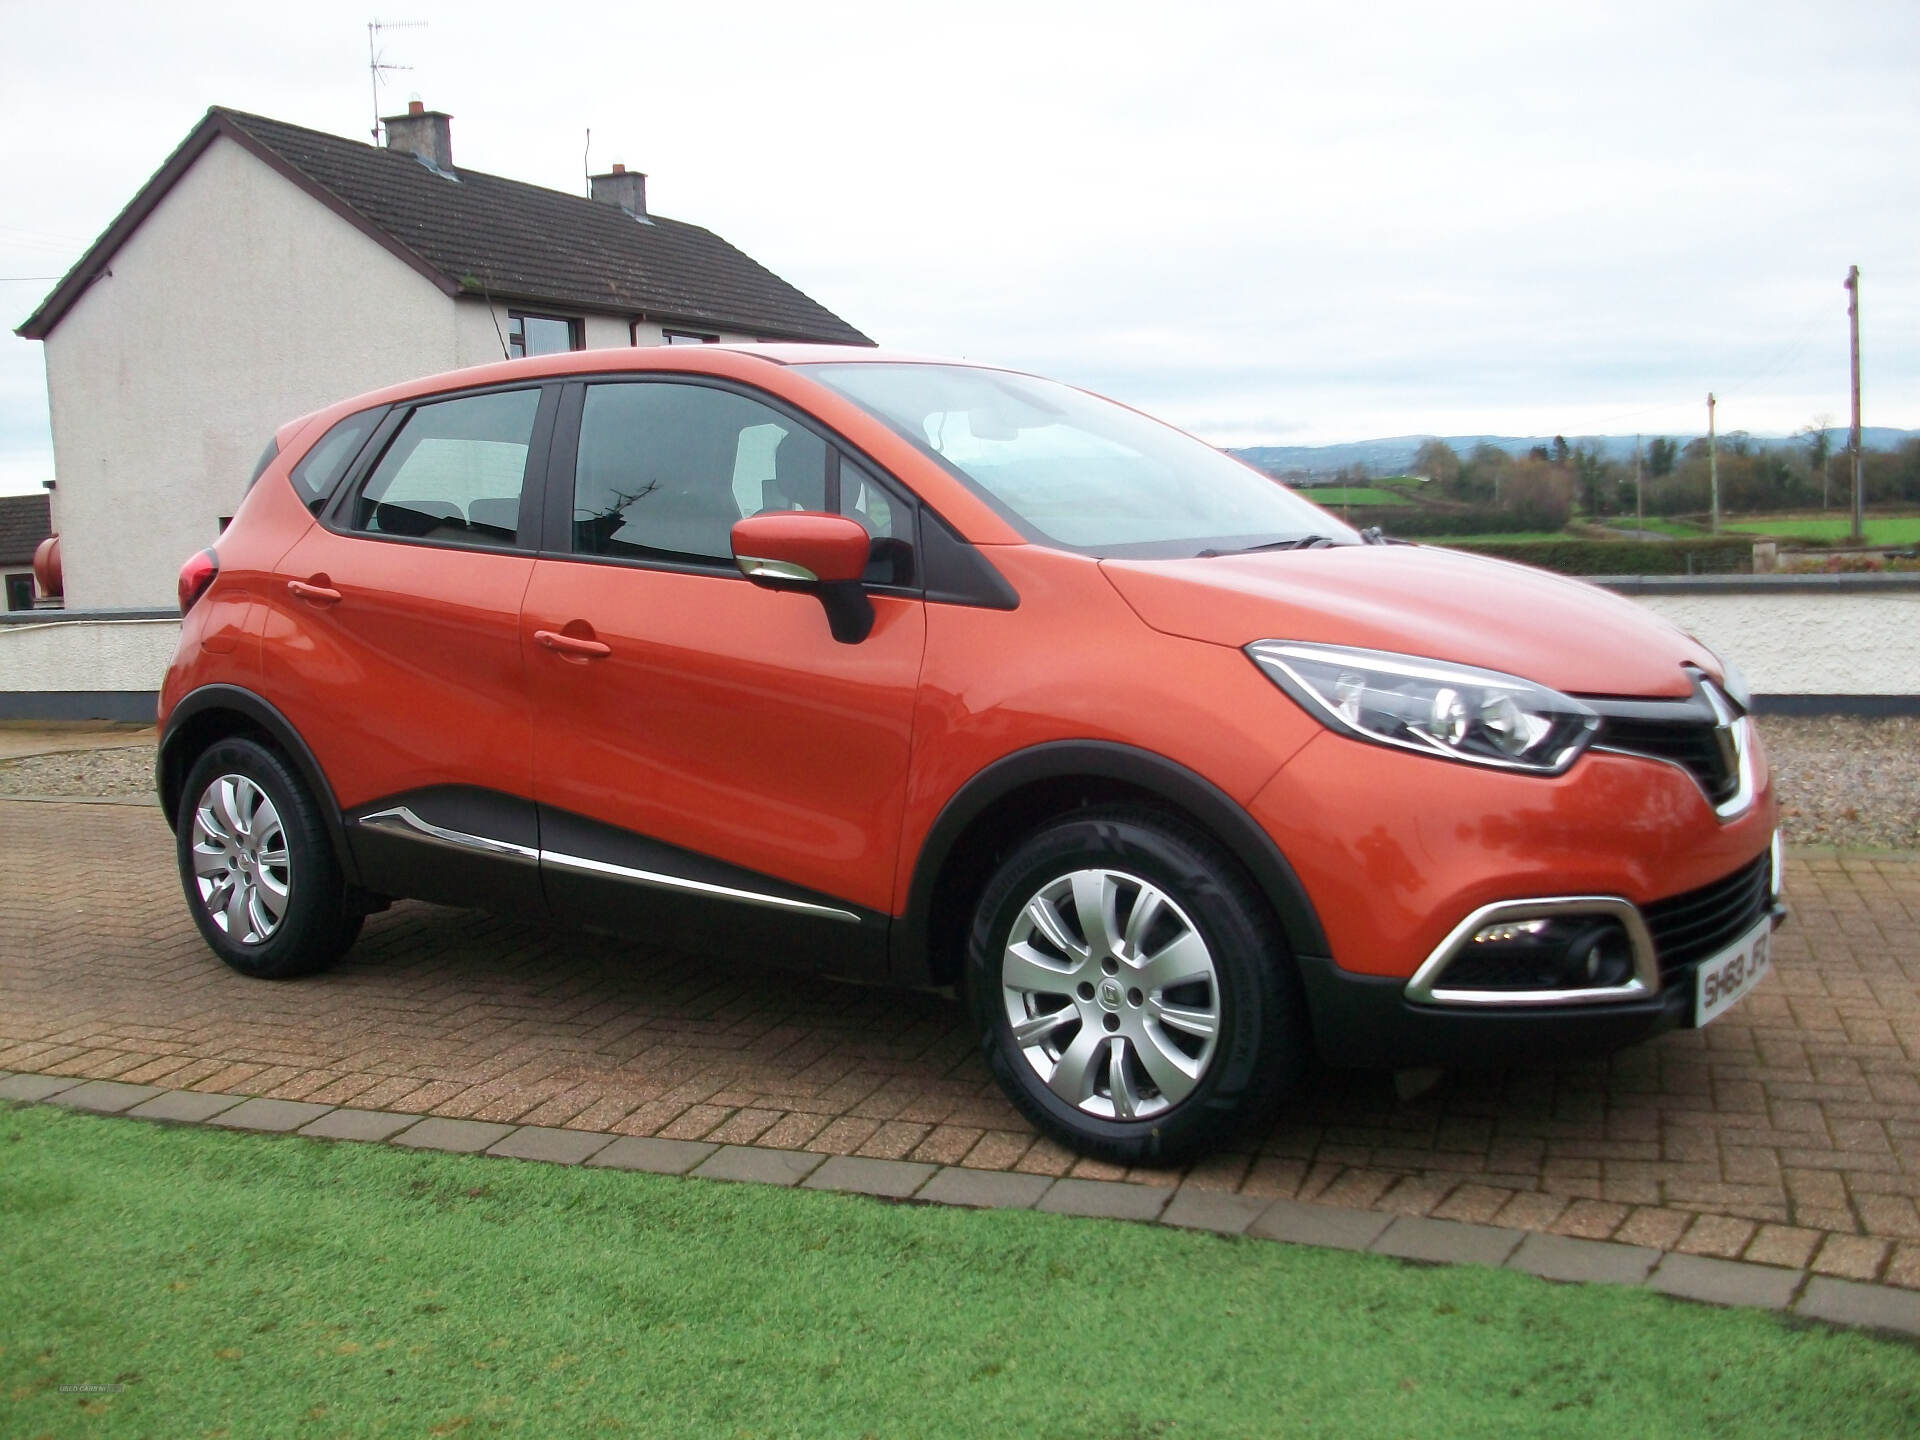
(939, 674)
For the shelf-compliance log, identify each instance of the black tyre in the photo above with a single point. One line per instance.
(259, 872)
(1135, 996)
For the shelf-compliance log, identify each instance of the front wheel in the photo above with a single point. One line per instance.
(1135, 997)
(258, 870)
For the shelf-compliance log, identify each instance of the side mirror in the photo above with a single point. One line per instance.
(824, 555)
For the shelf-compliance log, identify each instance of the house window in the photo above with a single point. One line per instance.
(19, 592)
(688, 337)
(541, 334)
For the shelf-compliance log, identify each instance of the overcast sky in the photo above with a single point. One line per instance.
(1268, 222)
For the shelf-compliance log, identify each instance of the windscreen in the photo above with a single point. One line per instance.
(1077, 471)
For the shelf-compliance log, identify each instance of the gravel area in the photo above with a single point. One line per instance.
(1844, 782)
(120, 773)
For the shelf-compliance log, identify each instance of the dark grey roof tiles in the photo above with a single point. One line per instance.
(528, 243)
(25, 520)
(488, 236)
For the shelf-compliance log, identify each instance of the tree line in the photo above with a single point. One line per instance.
(1541, 489)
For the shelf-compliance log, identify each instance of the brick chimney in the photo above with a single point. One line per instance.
(425, 133)
(625, 188)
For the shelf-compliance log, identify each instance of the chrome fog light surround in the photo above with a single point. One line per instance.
(1428, 985)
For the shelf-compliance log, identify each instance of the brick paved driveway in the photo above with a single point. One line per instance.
(1787, 1133)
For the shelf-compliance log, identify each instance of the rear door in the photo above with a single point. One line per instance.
(712, 767)
(393, 646)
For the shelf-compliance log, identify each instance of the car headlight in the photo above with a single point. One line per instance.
(1435, 707)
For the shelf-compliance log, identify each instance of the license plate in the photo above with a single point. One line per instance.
(1721, 981)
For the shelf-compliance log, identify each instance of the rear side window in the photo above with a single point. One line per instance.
(454, 472)
(319, 471)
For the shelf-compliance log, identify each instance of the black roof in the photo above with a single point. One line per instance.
(25, 520)
(482, 235)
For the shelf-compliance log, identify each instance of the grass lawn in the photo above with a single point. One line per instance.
(1329, 497)
(1881, 529)
(267, 1286)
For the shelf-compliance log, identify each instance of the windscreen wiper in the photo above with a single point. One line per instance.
(1299, 542)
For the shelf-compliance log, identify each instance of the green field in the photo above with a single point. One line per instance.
(1881, 529)
(224, 1284)
(1331, 496)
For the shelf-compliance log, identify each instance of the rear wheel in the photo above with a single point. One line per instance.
(258, 870)
(1135, 997)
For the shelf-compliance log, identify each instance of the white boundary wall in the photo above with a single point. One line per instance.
(1792, 636)
(1808, 644)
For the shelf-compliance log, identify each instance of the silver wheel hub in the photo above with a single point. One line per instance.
(1111, 994)
(240, 859)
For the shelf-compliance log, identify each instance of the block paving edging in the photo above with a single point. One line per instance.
(1419, 1239)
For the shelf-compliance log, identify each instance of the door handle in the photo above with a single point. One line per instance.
(570, 645)
(313, 594)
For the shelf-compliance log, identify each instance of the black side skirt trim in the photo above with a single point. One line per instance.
(467, 846)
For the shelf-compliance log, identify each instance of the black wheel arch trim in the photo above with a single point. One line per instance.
(170, 769)
(1168, 780)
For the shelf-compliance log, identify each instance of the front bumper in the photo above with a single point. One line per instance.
(1368, 1021)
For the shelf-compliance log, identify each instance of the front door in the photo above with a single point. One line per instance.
(712, 767)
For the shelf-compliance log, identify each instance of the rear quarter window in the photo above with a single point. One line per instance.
(321, 469)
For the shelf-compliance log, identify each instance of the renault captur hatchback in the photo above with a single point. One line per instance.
(943, 675)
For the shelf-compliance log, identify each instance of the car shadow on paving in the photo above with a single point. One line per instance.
(1787, 1133)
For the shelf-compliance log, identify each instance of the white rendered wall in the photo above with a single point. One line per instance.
(239, 304)
(1808, 644)
(86, 655)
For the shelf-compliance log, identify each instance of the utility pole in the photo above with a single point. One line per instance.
(1859, 536)
(1713, 463)
(1639, 491)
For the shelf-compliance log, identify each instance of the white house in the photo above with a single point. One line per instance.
(266, 270)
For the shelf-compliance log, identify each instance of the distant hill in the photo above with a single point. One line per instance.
(1394, 455)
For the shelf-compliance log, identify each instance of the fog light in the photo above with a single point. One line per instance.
(1599, 956)
(1541, 953)
(1512, 930)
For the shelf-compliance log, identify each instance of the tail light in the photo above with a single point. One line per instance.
(195, 576)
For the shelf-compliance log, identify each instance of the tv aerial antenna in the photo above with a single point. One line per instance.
(377, 64)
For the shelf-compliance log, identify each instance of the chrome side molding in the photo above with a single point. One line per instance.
(656, 880)
(403, 821)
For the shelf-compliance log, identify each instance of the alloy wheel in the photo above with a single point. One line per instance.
(1111, 994)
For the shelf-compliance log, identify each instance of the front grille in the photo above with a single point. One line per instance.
(1691, 744)
(1692, 926)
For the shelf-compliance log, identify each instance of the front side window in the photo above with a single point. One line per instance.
(1074, 470)
(665, 469)
(542, 334)
(454, 472)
